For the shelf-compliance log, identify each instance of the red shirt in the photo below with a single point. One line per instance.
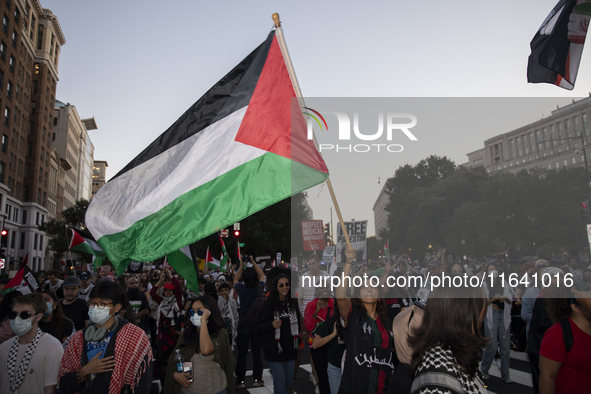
(309, 321)
(573, 376)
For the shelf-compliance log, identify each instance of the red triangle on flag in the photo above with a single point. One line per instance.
(268, 119)
(76, 239)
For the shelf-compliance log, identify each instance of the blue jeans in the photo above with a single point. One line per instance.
(498, 331)
(334, 378)
(282, 376)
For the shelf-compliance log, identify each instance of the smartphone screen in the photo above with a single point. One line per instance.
(188, 369)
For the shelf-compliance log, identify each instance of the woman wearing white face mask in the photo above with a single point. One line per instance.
(497, 322)
(109, 354)
(205, 346)
(32, 354)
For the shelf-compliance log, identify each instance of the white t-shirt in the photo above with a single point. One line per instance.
(43, 367)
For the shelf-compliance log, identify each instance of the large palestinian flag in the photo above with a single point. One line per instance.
(236, 151)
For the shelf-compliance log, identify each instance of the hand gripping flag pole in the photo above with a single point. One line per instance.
(296, 86)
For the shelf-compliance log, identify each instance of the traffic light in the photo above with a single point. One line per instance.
(4, 239)
(327, 230)
(584, 210)
(236, 233)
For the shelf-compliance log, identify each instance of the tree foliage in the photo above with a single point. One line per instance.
(476, 214)
(274, 229)
(57, 231)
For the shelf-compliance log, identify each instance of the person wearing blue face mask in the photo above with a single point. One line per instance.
(54, 322)
(205, 345)
(32, 353)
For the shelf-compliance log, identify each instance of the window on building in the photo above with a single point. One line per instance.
(17, 15)
(40, 36)
(22, 245)
(5, 24)
(2, 50)
(2, 171)
(4, 143)
(35, 239)
(557, 165)
(14, 38)
(9, 90)
(24, 216)
(11, 63)
(7, 116)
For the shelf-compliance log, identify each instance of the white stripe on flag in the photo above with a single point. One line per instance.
(196, 161)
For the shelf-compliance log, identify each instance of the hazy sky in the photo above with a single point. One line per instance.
(136, 66)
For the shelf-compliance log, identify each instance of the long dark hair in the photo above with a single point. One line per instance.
(381, 309)
(451, 320)
(558, 301)
(58, 314)
(273, 298)
(215, 322)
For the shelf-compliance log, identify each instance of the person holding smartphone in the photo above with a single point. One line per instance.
(205, 347)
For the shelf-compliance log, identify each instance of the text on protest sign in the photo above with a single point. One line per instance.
(313, 234)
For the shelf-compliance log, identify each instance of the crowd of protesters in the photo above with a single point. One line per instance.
(121, 334)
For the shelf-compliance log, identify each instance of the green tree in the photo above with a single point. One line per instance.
(276, 228)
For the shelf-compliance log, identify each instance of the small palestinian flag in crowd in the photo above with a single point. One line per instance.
(24, 280)
(210, 261)
(387, 250)
(183, 264)
(84, 242)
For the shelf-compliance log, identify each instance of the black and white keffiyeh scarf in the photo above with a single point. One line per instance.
(15, 380)
(169, 308)
(280, 313)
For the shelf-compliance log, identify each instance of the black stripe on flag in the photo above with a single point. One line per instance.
(231, 93)
(550, 52)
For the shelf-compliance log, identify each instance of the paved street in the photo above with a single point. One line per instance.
(519, 374)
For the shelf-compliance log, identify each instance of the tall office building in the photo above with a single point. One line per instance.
(99, 175)
(71, 140)
(551, 143)
(30, 45)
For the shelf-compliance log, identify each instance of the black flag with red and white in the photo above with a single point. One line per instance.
(557, 47)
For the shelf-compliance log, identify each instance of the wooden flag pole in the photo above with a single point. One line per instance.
(296, 85)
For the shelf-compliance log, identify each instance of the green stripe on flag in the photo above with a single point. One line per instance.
(182, 262)
(263, 181)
